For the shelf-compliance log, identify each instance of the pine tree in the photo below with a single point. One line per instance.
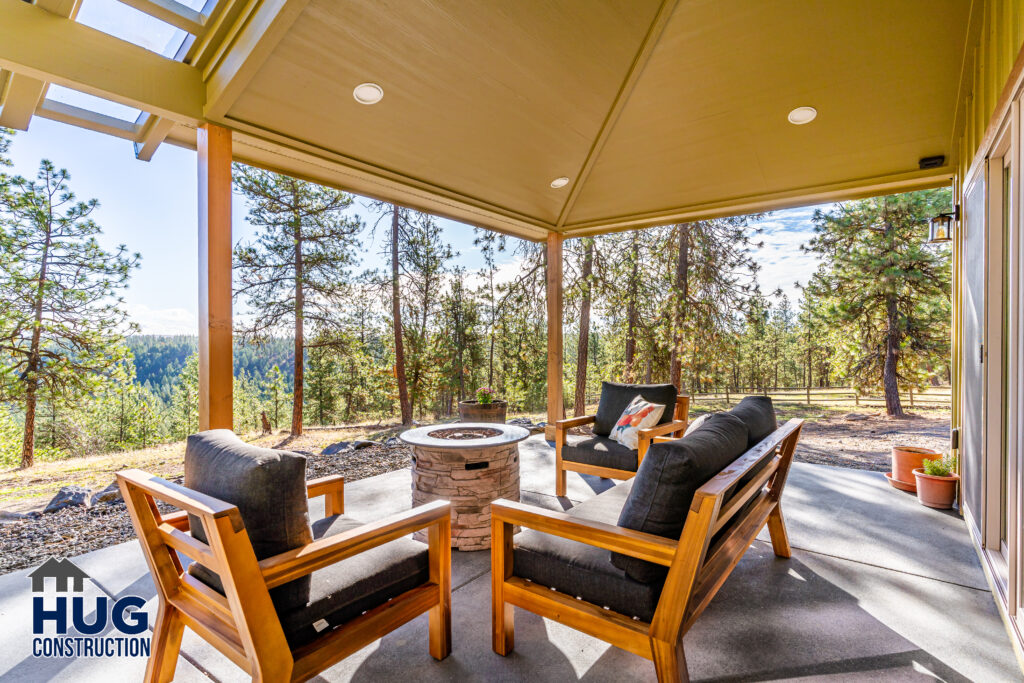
(64, 322)
(296, 271)
(884, 287)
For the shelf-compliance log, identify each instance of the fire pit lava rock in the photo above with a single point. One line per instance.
(470, 464)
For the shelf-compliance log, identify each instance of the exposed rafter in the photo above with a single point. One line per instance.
(171, 12)
(23, 96)
(57, 50)
(234, 65)
(83, 118)
(24, 93)
(154, 131)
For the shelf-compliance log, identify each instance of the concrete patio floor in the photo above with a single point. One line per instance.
(878, 588)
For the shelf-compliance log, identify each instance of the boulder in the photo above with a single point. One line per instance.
(68, 497)
(362, 443)
(393, 441)
(109, 495)
(8, 516)
(855, 417)
(335, 448)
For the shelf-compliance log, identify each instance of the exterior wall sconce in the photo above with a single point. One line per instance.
(940, 228)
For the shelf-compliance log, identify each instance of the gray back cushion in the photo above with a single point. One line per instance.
(759, 415)
(615, 397)
(667, 479)
(269, 488)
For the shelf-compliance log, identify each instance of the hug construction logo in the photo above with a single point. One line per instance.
(66, 624)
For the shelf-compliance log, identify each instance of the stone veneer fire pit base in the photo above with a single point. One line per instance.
(470, 469)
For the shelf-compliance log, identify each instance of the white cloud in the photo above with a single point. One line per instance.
(163, 320)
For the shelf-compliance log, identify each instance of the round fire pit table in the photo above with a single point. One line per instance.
(469, 464)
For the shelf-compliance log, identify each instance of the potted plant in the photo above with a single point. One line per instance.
(906, 459)
(936, 482)
(486, 408)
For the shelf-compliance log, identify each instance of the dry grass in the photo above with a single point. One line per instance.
(30, 489)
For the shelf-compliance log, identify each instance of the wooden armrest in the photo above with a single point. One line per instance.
(659, 430)
(617, 539)
(324, 485)
(664, 439)
(292, 564)
(177, 519)
(178, 496)
(571, 422)
(333, 487)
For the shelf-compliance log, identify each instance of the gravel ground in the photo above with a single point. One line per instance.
(866, 444)
(862, 444)
(28, 541)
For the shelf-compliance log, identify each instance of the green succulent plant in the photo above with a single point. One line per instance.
(940, 467)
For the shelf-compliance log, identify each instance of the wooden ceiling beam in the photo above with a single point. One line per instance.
(53, 49)
(90, 120)
(154, 131)
(245, 50)
(643, 55)
(24, 94)
(171, 12)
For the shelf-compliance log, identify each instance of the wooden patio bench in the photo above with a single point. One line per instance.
(244, 617)
(725, 515)
(600, 456)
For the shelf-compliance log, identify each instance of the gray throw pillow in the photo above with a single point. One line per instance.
(666, 481)
(615, 397)
(269, 488)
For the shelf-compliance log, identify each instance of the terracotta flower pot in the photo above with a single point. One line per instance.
(906, 459)
(936, 492)
(474, 411)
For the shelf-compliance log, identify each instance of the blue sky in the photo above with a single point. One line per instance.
(151, 208)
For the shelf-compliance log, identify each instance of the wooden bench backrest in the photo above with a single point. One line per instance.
(695, 575)
(240, 628)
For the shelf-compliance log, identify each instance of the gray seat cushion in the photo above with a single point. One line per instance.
(585, 571)
(615, 397)
(600, 451)
(758, 413)
(346, 589)
(667, 479)
(269, 488)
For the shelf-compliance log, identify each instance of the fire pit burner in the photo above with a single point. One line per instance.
(469, 464)
(462, 433)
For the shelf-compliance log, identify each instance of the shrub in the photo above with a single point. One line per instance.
(941, 467)
(484, 395)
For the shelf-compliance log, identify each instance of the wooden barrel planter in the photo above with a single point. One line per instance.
(474, 411)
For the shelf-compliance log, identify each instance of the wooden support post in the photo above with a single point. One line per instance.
(216, 376)
(556, 410)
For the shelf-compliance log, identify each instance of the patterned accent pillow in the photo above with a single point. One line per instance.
(695, 424)
(639, 414)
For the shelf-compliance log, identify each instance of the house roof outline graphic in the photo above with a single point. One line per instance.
(60, 571)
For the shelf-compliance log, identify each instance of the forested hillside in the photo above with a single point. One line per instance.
(159, 359)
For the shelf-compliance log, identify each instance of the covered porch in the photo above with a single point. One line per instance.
(878, 587)
(550, 121)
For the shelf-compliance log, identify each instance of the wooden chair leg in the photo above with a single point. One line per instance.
(502, 613)
(166, 644)
(777, 530)
(439, 539)
(669, 661)
(559, 480)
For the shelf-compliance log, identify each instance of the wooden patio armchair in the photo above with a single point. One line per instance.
(724, 517)
(599, 455)
(242, 622)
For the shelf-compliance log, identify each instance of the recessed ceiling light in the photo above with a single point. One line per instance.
(559, 182)
(368, 93)
(802, 115)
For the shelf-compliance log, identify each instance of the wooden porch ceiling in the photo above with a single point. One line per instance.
(656, 110)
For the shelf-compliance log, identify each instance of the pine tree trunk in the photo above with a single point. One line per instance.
(396, 316)
(583, 345)
(682, 285)
(631, 310)
(28, 443)
(890, 381)
(299, 346)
